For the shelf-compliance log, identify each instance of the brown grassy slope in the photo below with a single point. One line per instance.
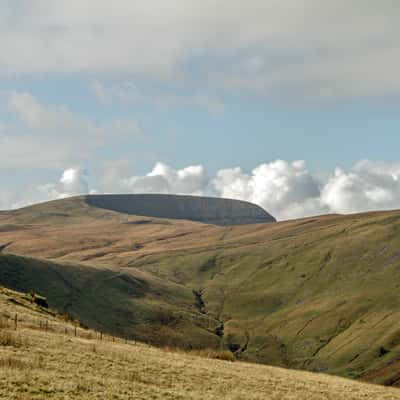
(38, 364)
(320, 293)
(72, 230)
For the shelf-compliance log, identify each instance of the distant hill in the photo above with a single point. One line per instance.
(320, 294)
(208, 210)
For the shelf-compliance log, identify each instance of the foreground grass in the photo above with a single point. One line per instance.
(39, 364)
(52, 366)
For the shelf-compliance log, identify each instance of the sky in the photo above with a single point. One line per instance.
(293, 105)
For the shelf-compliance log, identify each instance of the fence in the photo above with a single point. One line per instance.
(21, 321)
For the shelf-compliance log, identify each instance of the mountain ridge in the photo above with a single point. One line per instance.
(212, 210)
(204, 209)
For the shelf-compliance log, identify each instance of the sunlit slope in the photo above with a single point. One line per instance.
(54, 364)
(319, 294)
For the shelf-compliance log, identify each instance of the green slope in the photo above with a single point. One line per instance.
(131, 304)
(320, 294)
(58, 359)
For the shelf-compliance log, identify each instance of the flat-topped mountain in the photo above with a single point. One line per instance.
(209, 210)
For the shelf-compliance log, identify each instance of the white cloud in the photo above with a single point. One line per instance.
(191, 180)
(295, 47)
(369, 186)
(128, 92)
(100, 92)
(71, 183)
(286, 190)
(125, 91)
(52, 136)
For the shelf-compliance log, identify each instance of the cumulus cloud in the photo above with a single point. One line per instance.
(191, 180)
(298, 47)
(369, 186)
(285, 189)
(72, 182)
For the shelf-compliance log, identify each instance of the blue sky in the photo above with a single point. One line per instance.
(108, 94)
(247, 131)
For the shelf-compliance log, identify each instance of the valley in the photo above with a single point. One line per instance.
(318, 294)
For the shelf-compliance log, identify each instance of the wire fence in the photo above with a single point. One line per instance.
(22, 321)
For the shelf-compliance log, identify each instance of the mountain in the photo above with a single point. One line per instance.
(49, 356)
(320, 294)
(193, 208)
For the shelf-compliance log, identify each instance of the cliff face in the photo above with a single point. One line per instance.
(201, 209)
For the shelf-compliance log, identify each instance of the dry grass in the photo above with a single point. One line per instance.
(215, 354)
(59, 367)
(4, 324)
(14, 363)
(38, 364)
(10, 338)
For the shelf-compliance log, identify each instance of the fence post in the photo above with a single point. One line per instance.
(16, 321)
(101, 335)
(75, 331)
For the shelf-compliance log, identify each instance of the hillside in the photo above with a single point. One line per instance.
(320, 294)
(43, 359)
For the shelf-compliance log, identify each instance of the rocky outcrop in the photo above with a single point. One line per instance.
(209, 210)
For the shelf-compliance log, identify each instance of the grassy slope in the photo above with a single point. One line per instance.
(38, 364)
(131, 304)
(319, 294)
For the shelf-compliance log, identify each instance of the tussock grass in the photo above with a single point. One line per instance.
(11, 338)
(14, 363)
(56, 367)
(215, 354)
(4, 324)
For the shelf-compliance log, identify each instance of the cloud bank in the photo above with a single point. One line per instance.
(285, 189)
(305, 48)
